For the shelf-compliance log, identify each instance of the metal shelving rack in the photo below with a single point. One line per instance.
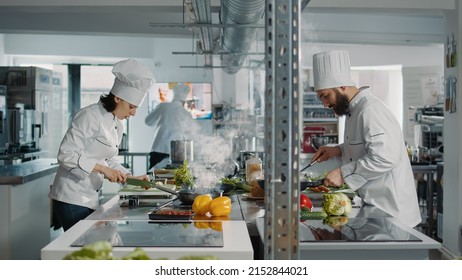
(282, 110)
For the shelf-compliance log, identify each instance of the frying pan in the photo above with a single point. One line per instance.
(309, 184)
(185, 196)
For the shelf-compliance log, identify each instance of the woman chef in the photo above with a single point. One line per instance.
(88, 152)
(374, 158)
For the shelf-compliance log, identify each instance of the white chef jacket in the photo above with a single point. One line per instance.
(93, 137)
(375, 161)
(171, 121)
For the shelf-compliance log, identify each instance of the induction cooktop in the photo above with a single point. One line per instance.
(150, 234)
(335, 229)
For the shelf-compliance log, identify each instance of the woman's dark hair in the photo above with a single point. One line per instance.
(108, 101)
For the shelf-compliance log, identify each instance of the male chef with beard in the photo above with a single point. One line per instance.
(374, 158)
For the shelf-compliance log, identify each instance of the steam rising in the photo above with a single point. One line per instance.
(215, 157)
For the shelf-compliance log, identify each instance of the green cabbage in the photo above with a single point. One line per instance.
(100, 250)
(336, 204)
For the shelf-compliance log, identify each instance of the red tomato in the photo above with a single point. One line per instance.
(305, 202)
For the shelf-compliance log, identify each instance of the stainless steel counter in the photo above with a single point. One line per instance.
(27, 171)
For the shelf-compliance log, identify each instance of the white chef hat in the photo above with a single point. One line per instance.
(181, 91)
(132, 81)
(331, 69)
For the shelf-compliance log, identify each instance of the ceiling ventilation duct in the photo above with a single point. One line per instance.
(237, 41)
(203, 14)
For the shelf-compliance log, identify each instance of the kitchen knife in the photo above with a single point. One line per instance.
(313, 162)
(142, 183)
(309, 165)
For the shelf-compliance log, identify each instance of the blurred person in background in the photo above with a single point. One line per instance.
(88, 153)
(162, 96)
(171, 121)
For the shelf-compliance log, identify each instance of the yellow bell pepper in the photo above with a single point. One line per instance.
(220, 206)
(201, 225)
(201, 221)
(216, 226)
(201, 204)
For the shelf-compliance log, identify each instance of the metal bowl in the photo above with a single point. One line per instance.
(317, 142)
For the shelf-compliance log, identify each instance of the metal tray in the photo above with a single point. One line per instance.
(160, 215)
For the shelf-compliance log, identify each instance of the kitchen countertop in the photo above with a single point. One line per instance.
(373, 246)
(246, 224)
(27, 171)
(236, 241)
(236, 245)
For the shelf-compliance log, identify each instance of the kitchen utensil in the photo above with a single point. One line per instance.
(309, 184)
(319, 141)
(308, 133)
(313, 162)
(452, 109)
(242, 143)
(181, 150)
(448, 53)
(309, 165)
(185, 196)
(454, 52)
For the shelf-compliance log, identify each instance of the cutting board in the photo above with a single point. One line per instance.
(140, 191)
(318, 195)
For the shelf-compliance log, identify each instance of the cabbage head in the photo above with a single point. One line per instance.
(336, 204)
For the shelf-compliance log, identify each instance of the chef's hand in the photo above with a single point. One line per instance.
(334, 178)
(111, 174)
(115, 176)
(326, 152)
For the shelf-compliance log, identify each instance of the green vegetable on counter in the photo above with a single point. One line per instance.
(336, 204)
(198, 258)
(231, 181)
(246, 187)
(102, 250)
(183, 176)
(312, 215)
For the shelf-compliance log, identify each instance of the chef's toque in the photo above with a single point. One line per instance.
(181, 91)
(132, 81)
(331, 69)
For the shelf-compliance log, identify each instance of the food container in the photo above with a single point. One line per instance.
(181, 150)
(246, 155)
(253, 169)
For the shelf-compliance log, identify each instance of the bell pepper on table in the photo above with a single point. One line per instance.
(220, 206)
(201, 204)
